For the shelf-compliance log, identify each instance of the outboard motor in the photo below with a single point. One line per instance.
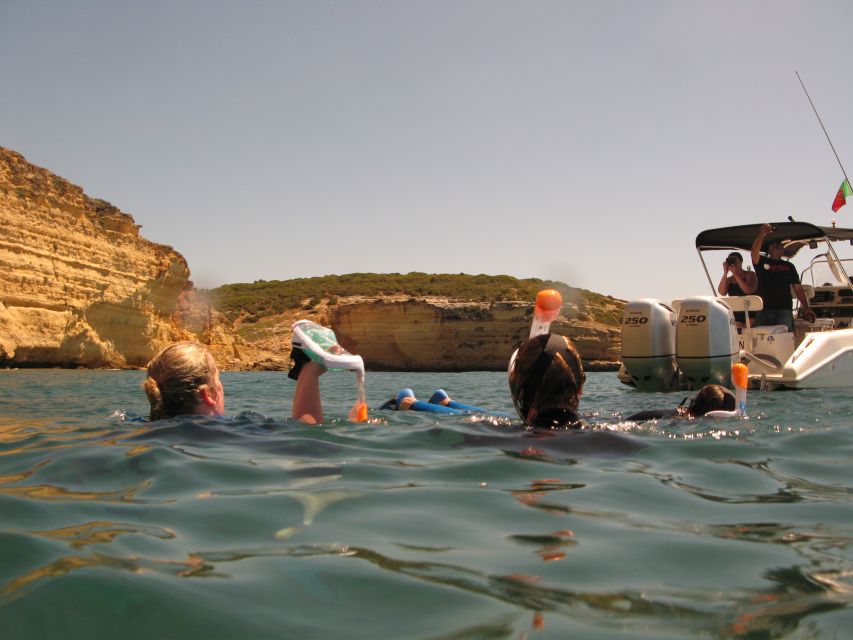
(648, 345)
(706, 342)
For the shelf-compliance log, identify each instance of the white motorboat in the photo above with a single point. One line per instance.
(694, 341)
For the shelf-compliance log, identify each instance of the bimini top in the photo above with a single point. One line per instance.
(793, 236)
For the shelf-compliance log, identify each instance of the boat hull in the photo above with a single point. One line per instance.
(823, 360)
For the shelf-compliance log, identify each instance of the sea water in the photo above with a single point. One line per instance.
(417, 525)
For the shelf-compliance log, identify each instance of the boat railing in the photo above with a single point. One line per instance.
(837, 268)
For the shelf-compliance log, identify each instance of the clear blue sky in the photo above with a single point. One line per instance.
(587, 142)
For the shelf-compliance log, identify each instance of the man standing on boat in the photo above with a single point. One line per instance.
(776, 279)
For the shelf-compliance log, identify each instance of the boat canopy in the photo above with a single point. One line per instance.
(793, 235)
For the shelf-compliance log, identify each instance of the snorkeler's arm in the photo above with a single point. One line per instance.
(307, 404)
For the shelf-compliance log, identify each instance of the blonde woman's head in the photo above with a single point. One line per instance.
(183, 379)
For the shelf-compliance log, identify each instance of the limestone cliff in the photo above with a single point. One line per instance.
(456, 336)
(78, 285)
(400, 333)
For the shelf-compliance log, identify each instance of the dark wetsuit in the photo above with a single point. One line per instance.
(653, 414)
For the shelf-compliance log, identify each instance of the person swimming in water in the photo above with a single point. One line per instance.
(546, 381)
(183, 379)
(711, 397)
(439, 402)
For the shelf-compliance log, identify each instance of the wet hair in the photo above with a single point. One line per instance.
(175, 377)
(711, 397)
(545, 379)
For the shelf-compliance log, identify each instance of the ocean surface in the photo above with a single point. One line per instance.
(418, 525)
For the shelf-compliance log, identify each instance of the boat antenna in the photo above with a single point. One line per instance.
(831, 146)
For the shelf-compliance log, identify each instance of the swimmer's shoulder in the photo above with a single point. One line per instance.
(653, 414)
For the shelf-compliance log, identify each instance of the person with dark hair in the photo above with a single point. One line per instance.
(777, 279)
(546, 381)
(737, 281)
(711, 397)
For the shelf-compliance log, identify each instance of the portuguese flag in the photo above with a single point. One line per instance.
(844, 192)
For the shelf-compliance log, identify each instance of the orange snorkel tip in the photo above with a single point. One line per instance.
(358, 413)
(740, 375)
(545, 311)
(548, 305)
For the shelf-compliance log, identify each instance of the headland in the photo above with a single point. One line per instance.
(80, 287)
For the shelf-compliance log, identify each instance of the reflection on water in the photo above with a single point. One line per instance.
(416, 525)
(48, 492)
(22, 475)
(101, 533)
(193, 566)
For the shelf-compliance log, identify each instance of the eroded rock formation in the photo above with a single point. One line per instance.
(456, 336)
(79, 286)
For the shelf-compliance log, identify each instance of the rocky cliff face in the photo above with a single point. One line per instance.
(452, 336)
(79, 286)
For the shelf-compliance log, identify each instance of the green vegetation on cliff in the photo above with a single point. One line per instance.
(252, 301)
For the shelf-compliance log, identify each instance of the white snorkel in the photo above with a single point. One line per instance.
(320, 344)
(548, 304)
(740, 379)
(545, 311)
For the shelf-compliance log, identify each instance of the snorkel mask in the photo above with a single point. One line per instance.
(320, 344)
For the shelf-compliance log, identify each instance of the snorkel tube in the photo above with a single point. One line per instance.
(740, 378)
(545, 311)
(320, 344)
